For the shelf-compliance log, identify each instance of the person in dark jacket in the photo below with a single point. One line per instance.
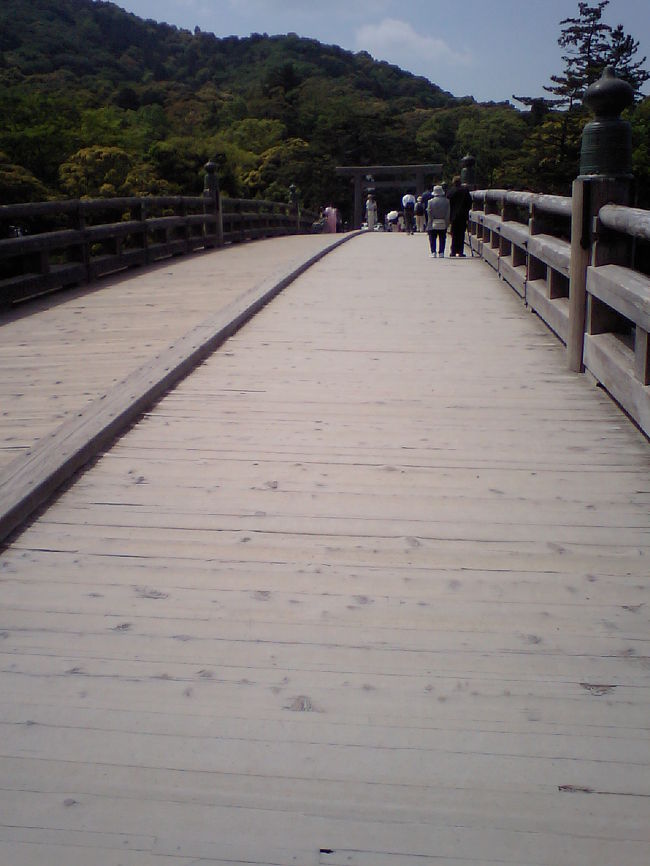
(460, 204)
(408, 205)
(420, 215)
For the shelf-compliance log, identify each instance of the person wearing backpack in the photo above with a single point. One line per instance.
(408, 203)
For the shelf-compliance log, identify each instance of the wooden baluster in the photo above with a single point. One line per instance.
(605, 176)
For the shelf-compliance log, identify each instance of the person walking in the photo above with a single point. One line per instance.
(371, 212)
(437, 221)
(460, 204)
(420, 215)
(408, 204)
(426, 195)
(331, 219)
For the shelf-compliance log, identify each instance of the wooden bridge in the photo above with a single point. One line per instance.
(360, 581)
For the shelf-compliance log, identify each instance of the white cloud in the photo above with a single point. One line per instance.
(309, 9)
(398, 42)
(330, 16)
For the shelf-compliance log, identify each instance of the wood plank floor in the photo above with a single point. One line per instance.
(369, 588)
(65, 350)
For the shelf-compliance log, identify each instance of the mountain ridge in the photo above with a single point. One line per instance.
(85, 74)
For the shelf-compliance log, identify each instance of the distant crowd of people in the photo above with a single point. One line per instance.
(435, 212)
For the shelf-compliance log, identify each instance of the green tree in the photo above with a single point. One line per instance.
(254, 134)
(142, 128)
(548, 159)
(96, 171)
(622, 52)
(290, 162)
(436, 137)
(17, 184)
(640, 121)
(102, 126)
(142, 180)
(590, 46)
(493, 136)
(37, 130)
(179, 160)
(586, 42)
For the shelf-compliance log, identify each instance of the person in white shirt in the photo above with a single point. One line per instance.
(371, 212)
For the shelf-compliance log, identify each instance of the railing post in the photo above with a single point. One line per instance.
(242, 228)
(642, 356)
(295, 207)
(468, 171)
(508, 210)
(534, 223)
(212, 194)
(84, 250)
(141, 210)
(605, 177)
(185, 226)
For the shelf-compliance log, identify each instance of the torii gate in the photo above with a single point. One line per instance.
(402, 177)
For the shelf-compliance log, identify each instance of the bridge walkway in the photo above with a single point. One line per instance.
(61, 352)
(369, 587)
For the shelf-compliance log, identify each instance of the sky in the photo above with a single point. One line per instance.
(488, 49)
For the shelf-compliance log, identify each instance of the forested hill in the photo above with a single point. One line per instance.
(94, 44)
(77, 74)
(97, 102)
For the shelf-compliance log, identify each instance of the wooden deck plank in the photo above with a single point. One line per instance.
(66, 350)
(29, 481)
(369, 588)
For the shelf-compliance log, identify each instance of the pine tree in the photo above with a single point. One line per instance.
(622, 51)
(591, 45)
(587, 41)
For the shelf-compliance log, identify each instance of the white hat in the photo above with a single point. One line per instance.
(438, 190)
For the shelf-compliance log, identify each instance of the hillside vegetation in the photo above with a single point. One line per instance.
(97, 101)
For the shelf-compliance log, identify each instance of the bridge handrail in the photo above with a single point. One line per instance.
(552, 204)
(92, 205)
(258, 204)
(61, 243)
(251, 218)
(557, 205)
(526, 238)
(631, 221)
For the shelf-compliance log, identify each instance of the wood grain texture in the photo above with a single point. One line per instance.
(29, 481)
(63, 351)
(370, 587)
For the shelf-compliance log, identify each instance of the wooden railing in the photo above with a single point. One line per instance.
(46, 246)
(249, 219)
(526, 238)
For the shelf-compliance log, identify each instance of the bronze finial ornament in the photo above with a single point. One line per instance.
(607, 140)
